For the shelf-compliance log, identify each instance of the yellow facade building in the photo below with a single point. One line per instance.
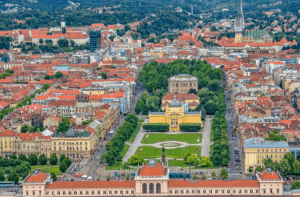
(75, 146)
(257, 149)
(176, 113)
(7, 143)
(158, 53)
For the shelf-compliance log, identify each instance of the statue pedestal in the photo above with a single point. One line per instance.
(163, 158)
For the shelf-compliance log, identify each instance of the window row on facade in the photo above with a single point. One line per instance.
(215, 191)
(88, 192)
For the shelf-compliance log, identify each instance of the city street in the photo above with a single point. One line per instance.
(236, 158)
(93, 164)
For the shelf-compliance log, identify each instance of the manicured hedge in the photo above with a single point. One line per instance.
(190, 127)
(157, 127)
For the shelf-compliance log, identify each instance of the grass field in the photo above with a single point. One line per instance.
(135, 133)
(125, 149)
(149, 152)
(190, 138)
(47, 168)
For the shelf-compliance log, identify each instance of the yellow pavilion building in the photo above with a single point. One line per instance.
(175, 114)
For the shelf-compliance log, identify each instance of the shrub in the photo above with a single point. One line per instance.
(190, 127)
(158, 127)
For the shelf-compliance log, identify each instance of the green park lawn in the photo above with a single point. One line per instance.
(190, 138)
(124, 151)
(149, 152)
(47, 168)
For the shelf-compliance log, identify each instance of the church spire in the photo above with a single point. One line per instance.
(239, 23)
(240, 9)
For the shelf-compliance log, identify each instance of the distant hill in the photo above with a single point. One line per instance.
(199, 5)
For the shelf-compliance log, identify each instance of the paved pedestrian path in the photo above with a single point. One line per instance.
(206, 137)
(135, 144)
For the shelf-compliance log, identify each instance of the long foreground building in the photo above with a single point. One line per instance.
(153, 180)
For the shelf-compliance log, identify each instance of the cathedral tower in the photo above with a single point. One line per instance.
(239, 23)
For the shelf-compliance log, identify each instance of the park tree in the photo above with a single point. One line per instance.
(194, 177)
(63, 43)
(133, 119)
(13, 176)
(58, 75)
(190, 158)
(214, 175)
(296, 167)
(127, 177)
(33, 159)
(67, 161)
(63, 125)
(285, 167)
(25, 128)
(43, 159)
(12, 156)
(136, 159)
(258, 169)
(268, 163)
(21, 169)
(290, 157)
(205, 162)
(26, 164)
(62, 157)
(1, 176)
(296, 184)
(108, 177)
(53, 159)
(224, 174)
(214, 85)
(63, 167)
(204, 176)
(103, 75)
(139, 106)
(203, 114)
(25, 175)
(53, 176)
(72, 43)
(210, 107)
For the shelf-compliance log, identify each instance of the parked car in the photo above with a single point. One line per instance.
(89, 178)
(84, 177)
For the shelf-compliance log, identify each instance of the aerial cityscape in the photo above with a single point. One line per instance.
(149, 98)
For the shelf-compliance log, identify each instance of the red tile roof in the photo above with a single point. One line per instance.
(7, 133)
(265, 175)
(37, 178)
(157, 170)
(56, 118)
(115, 95)
(92, 184)
(3, 104)
(28, 136)
(62, 103)
(181, 97)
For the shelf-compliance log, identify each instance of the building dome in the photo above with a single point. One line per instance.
(175, 103)
(70, 132)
